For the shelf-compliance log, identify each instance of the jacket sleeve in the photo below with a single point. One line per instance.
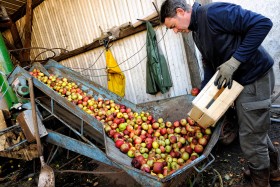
(231, 18)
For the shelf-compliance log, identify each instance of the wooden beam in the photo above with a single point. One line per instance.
(123, 33)
(6, 25)
(27, 31)
(16, 36)
(12, 47)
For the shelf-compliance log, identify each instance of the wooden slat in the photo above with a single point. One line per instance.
(219, 100)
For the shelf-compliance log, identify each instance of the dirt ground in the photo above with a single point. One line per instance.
(72, 169)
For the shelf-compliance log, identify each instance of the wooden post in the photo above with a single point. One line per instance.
(192, 60)
(27, 34)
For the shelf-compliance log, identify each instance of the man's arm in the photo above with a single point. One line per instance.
(231, 18)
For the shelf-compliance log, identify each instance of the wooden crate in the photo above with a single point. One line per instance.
(211, 103)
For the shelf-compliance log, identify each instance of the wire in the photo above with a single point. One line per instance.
(88, 68)
(126, 60)
(119, 63)
(94, 62)
(46, 50)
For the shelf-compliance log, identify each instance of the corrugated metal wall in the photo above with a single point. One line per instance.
(72, 24)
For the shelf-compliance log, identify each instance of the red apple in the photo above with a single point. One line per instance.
(158, 167)
(119, 142)
(195, 91)
(176, 123)
(190, 120)
(163, 131)
(188, 149)
(173, 139)
(198, 148)
(124, 147)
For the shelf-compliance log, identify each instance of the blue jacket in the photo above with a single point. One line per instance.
(221, 30)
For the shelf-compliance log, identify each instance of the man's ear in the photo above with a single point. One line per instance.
(180, 11)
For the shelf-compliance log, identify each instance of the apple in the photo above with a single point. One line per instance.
(208, 131)
(173, 139)
(155, 125)
(158, 167)
(168, 148)
(160, 120)
(183, 131)
(176, 123)
(146, 168)
(137, 140)
(119, 142)
(167, 141)
(198, 135)
(119, 115)
(155, 144)
(163, 131)
(190, 120)
(180, 161)
(168, 124)
(195, 91)
(182, 140)
(183, 122)
(188, 149)
(177, 130)
(194, 156)
(150, 117)
(145, 126)
(198, 148)
(138, 161)
(202, 141)
(124, 147)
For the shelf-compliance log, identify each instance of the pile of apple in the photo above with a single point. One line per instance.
(156, 146)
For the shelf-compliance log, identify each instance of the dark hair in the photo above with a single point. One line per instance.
(168, 8)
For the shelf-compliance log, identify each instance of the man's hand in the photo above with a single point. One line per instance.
(226, 71)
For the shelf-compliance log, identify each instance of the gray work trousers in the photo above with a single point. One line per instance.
(253, 113)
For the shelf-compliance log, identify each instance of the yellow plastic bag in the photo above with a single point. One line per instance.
(116, 78)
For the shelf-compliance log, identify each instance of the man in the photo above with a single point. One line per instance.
(229, 39)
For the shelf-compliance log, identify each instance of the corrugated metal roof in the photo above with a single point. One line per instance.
(12, 6)
(16, 8)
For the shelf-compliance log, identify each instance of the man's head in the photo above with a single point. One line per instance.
(176, 15)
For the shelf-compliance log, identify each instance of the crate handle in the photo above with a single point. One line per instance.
(210, 162)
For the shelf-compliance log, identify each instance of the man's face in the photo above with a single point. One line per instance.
(179, 23)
